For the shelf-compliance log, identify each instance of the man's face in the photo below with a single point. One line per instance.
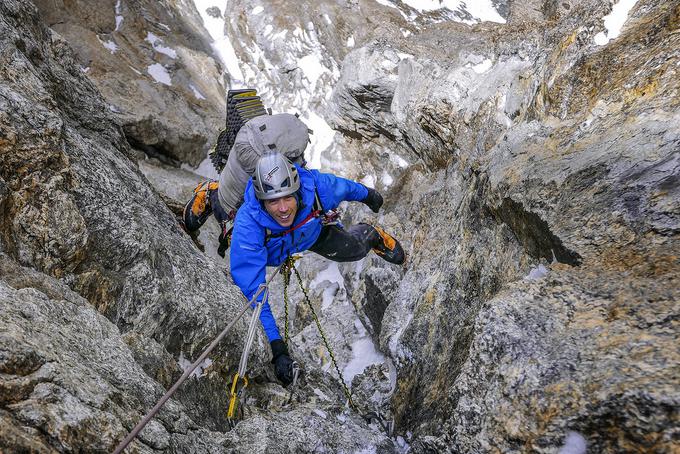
(282, 209)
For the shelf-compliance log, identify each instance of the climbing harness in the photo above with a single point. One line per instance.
(135, 431)
(290, 265)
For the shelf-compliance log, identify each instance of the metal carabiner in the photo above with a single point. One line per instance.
(234, 394)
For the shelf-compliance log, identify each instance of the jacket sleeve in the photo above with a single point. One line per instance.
(334, 189)
(248, 258)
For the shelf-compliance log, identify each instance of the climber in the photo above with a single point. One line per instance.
(283, 132)
(283, 213)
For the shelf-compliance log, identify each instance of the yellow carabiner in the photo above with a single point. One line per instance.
(234, 396)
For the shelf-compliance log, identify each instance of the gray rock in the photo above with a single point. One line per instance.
(125, 47)
(558, 153)
(69, 381)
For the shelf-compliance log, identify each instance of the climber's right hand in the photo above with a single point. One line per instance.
(373, 200)
(283, 364)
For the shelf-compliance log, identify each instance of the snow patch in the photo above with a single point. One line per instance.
(613, 22)
(537, 273)
(85, 69)
(387, 179)
(257, 10)
(327, 19)
(401, 162)
(312, 68)
(574, 444)
(197, 94)
(322, 138)
(364, 354)
(406, 33)
(159, 73)
(482, 67)
(321, 394)
(139, 73)
(350, 41)
(156, 43)
(119, 16)
(110, 45)
(221, 43)
(320, 413)
(368, 180)
(185, 364)
(403, 446)
(331, 274)
(367, 450)
(481, 10)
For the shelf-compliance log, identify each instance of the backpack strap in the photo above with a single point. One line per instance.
(327, 218)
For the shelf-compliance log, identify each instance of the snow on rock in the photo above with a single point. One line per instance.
(221, 43)
(322, 138)
(331, 274)
(481, 10)
(197, 94)
(312, 67)
(482, 67)
(321, 413)
(368, 180)
(257, 10)
(537, 273)
(119, 16)
(109, 44)
(387, 179)
(185, 364)
(613, 22)
(159, 73)
(350, 41)
(574, 444)
(403, 446)
(156, 43)
(364, 354)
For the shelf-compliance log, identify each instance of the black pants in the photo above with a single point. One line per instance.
(349, 245)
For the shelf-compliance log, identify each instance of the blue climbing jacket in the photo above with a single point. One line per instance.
(251, 253)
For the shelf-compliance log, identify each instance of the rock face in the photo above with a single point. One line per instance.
(532, 174)
(541, 150)
(76, 208)
(153, 63)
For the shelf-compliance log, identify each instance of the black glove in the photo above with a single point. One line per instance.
(283, 365)
(373, 200)
(224, 242)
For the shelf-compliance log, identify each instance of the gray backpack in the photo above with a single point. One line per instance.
(256, 135)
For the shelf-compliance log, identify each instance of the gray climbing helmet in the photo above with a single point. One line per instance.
(275, 177)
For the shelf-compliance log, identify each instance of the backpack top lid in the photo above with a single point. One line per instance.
(284, 133)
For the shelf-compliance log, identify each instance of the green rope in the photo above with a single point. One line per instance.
(348, 394)
(286, 281)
